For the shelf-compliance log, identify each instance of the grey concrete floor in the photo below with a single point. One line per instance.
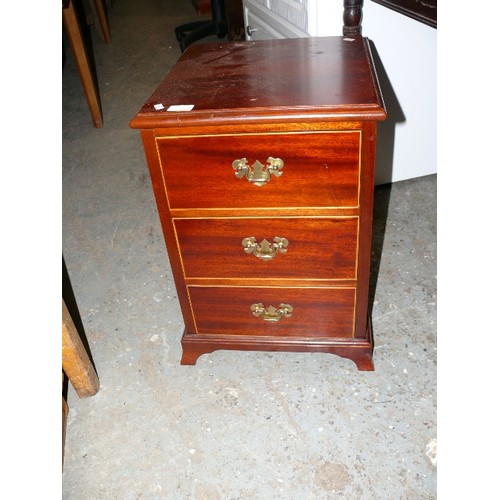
(235, 425)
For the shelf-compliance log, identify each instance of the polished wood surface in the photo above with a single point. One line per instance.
(353, 15)
(360, 352)
(240, 82)
(318, 248)
(312, 103)
(320, 170)
(317, 312)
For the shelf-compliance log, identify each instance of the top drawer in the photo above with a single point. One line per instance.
(290, 170)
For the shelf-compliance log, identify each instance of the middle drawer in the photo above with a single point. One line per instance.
(281, 247)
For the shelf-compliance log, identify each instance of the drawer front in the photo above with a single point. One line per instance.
(302, 247)
(319, 169)
(316, 312)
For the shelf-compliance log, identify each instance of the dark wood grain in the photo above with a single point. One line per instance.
(353, 15)
(254, 81)
(314, 104)
(320, 170)
(358, 350)
(317, 312)
(318, 248)
(365, 229)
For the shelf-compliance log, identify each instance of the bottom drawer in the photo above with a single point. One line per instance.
(274, 311)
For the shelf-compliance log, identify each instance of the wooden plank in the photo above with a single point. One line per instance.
(75, 360)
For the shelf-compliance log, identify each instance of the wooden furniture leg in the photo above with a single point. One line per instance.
(75, 360)
(100, 8)
(77, 43)
(76, 366)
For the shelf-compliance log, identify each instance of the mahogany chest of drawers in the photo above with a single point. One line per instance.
(261, 156)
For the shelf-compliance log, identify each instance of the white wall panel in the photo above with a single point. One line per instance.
(406, 58)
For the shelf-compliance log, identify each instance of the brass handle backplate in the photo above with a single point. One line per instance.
(271, 314)
(265, 250)
(258, 174)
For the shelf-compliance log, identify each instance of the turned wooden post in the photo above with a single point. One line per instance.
(353, 14)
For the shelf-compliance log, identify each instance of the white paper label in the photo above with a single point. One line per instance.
(181, 107)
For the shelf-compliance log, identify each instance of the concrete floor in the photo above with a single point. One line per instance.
(235, 425)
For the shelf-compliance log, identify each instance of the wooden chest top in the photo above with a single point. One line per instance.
(317, 78)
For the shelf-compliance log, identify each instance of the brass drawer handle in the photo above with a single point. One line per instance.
(271, 314)
(265, 250)
(260, 174)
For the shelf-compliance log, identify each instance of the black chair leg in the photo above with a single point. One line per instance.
(188, 33)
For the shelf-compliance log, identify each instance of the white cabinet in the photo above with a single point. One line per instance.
(407, 50)
(268, 19)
